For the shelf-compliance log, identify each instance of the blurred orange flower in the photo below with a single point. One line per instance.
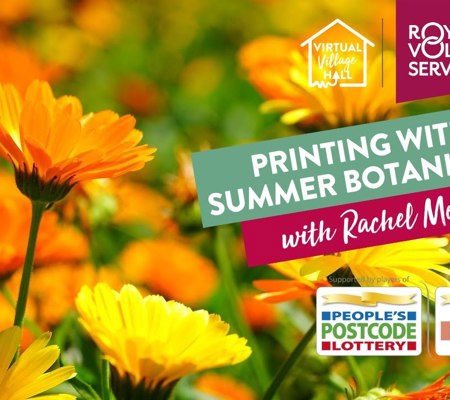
(428, 359)
(56, 242)
(32, 129)
(119, 201)
(278, 68)
(52, 301)
(101, 19)
(436, 391)
(14, 11)
(137, 202)
(182, 185)
(258, 314)
(20, 66)
(170, 268)
(296, 287)
(53, 290)
(222, 387)
(140, 96)
(7, 319)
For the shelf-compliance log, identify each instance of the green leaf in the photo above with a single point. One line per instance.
(84, 390)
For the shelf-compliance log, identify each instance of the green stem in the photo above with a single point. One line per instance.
(357, 374)
(38, 208)
(289, 363)
(337, 382)
(105, 383)
(256, 360)
(30, 324)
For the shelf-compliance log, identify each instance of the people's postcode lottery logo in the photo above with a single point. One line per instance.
(369, 321)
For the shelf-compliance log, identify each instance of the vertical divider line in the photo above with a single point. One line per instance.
(382, 52)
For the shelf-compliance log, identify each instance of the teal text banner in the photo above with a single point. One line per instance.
(323, 169)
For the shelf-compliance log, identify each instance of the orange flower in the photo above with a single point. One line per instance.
(223, 387)
(20, 66)
(428, 361)
(137, 202)
(53, 290)
(13, 11)
(259, 314)
(140, 96)
(268, 62)
(297, 287)
(436, 391)
(278, 68)
(55, 242)
(100, 19)
(120, 201)
(182, 186)
(52, 301)
(170, 268)
(53, 146)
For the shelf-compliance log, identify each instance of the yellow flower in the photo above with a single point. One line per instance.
(278, 68)
(53, 146)
(296, 287)
(411, 263)
(54, 302)
(27, 377)
(48, 303)
(151, 343)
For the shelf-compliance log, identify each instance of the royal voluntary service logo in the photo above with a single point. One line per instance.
(423, 49)
(369, 321)
(442, 317)
(337, 55)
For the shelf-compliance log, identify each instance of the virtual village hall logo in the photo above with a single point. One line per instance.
(337, 55)
(369, 321)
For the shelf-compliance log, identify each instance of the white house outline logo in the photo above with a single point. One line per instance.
(336, 77)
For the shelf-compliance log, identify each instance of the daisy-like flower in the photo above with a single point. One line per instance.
(151, 343)
(412, 263)
(278, 68)
(52, 145)
(27, 377)
(296, 287)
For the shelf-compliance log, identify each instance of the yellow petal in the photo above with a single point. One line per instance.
(320, 267)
